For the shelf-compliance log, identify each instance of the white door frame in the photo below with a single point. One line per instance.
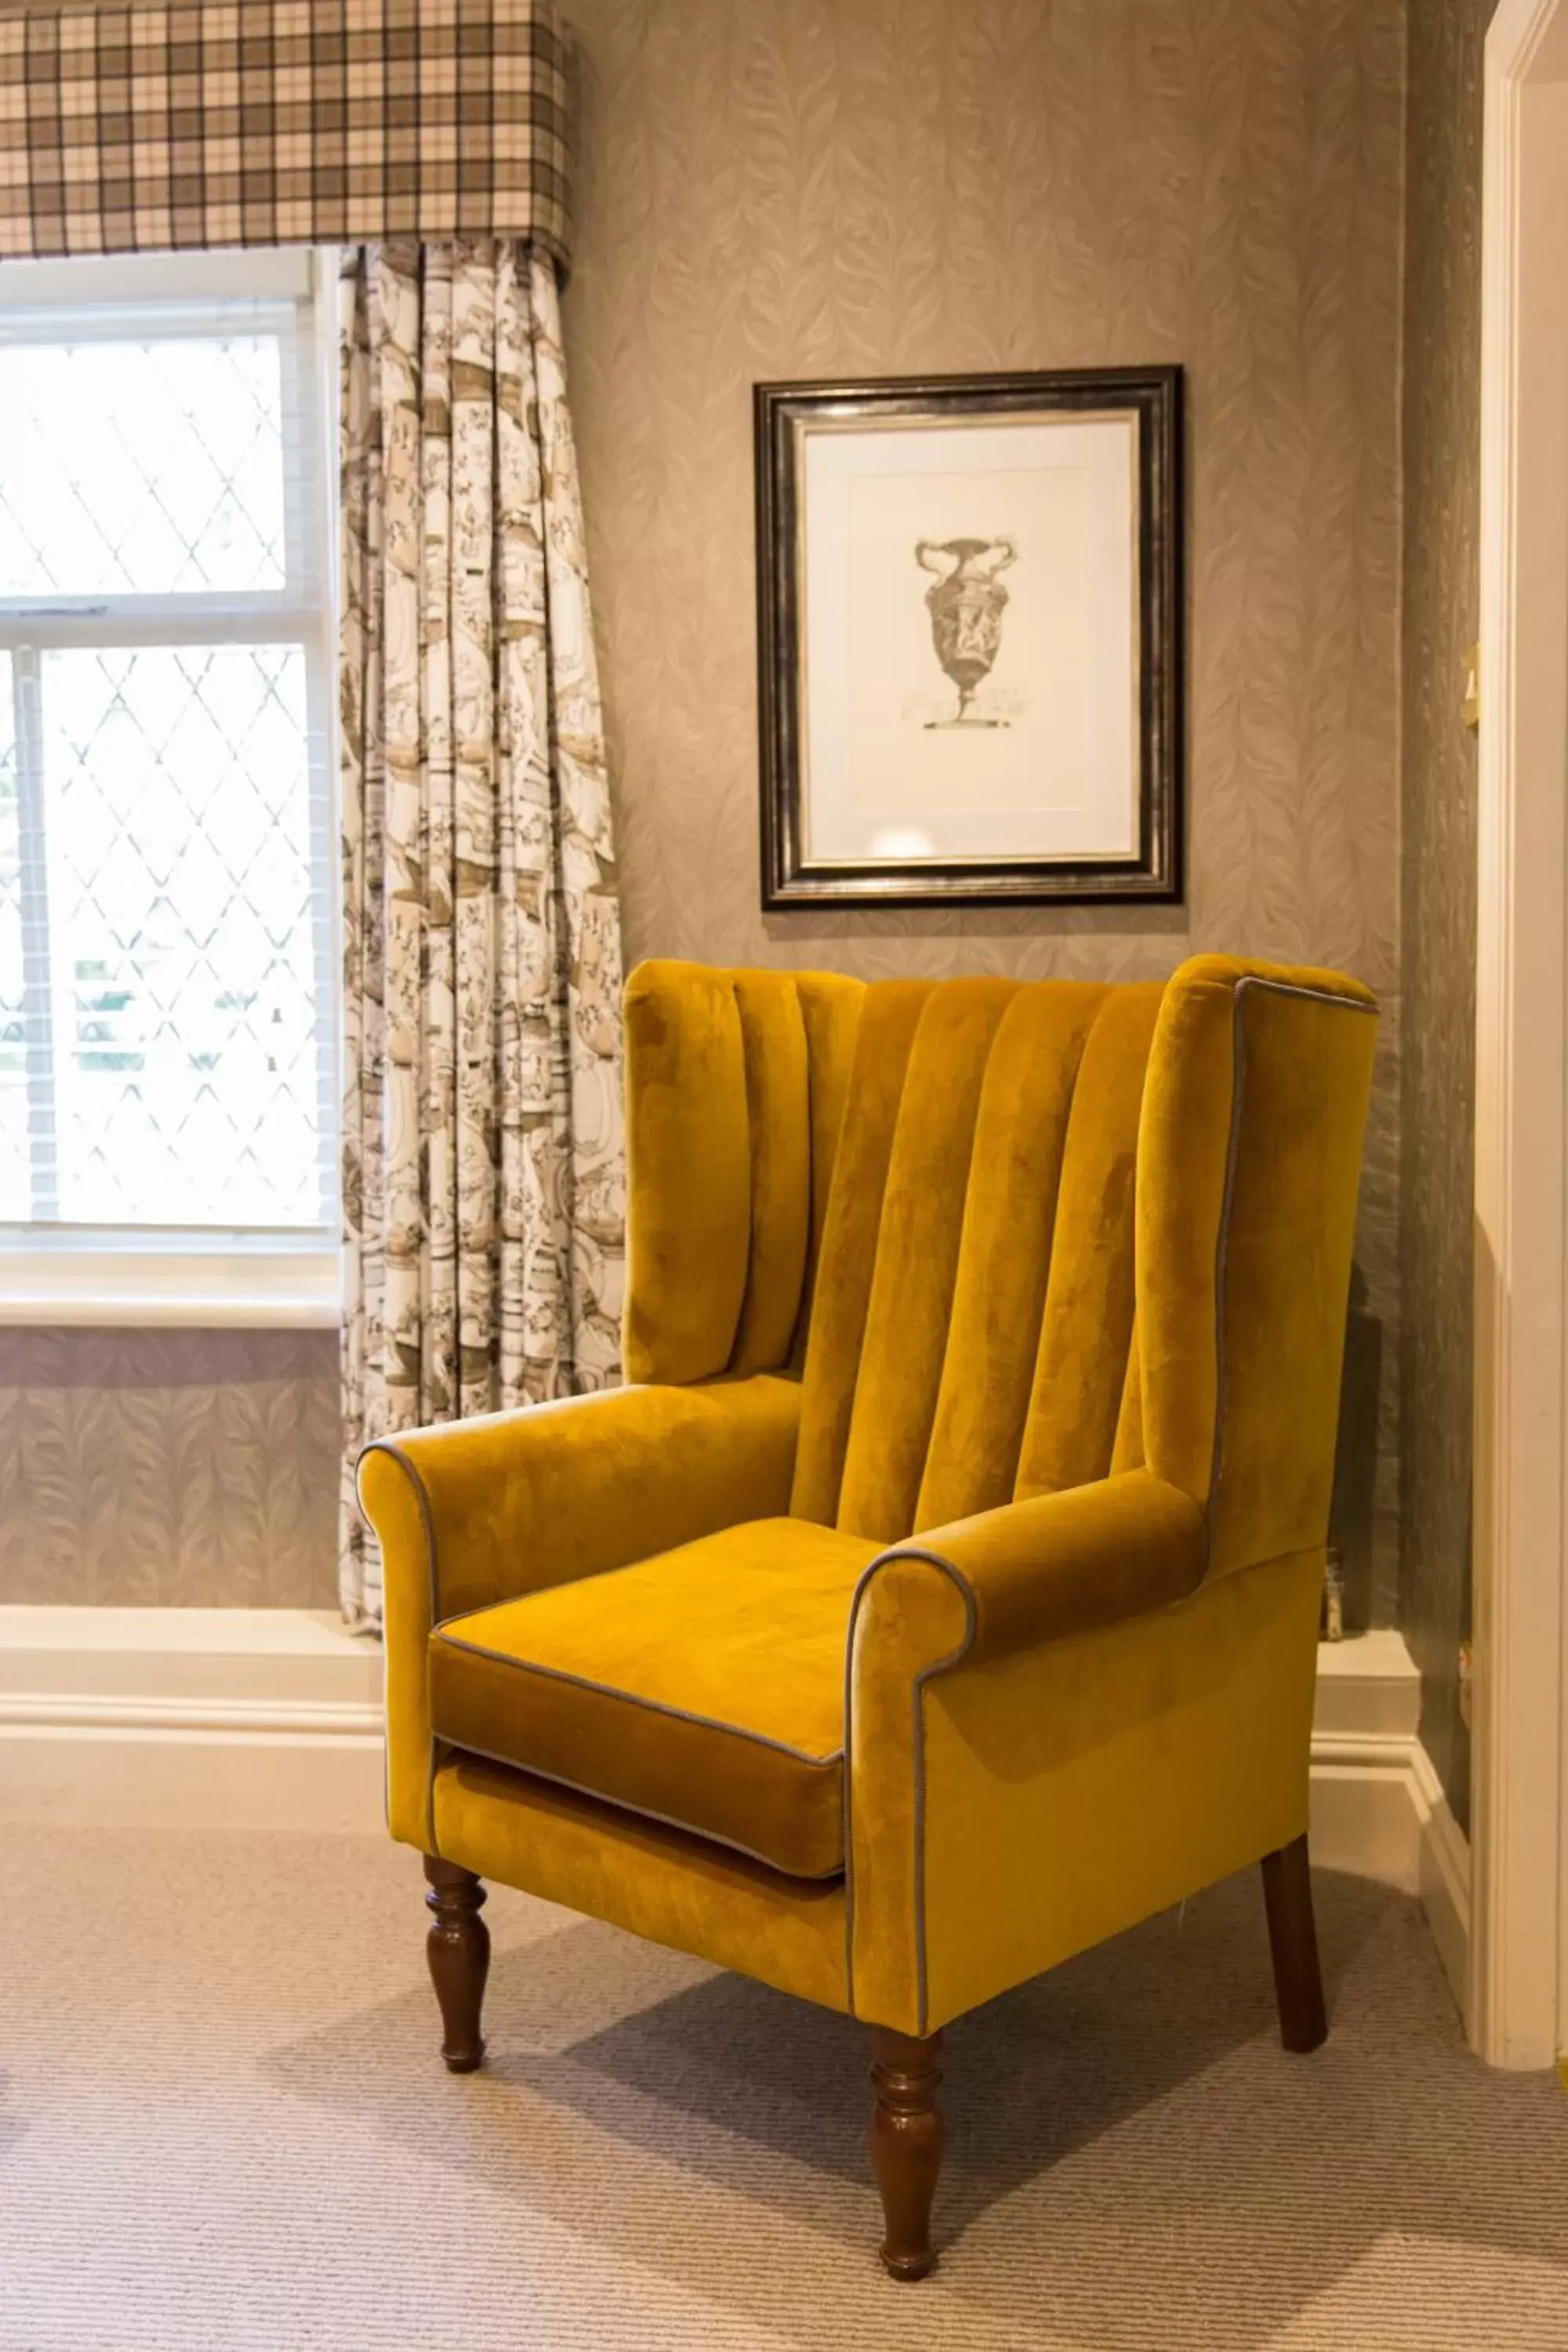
(1520, 1902)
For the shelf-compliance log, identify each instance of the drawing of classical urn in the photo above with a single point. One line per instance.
(966, 604)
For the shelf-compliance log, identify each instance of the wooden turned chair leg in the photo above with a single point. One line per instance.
(906, 2144)
(459, 1950)
(1293, 1941)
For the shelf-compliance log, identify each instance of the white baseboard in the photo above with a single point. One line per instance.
(262, 1718)
(1443, 1884)
(1363, 1738)
(1378, 1807)
(270, 1718)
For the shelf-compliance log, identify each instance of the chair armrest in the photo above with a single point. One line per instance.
(983, 1596)
(1064, 1563)
(481, 1511)
(512, 1502)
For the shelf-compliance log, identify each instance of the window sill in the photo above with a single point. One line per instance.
(212, 1284)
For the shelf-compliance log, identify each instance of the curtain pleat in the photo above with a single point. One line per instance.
(483, 1174)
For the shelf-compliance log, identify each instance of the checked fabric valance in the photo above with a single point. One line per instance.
(148, 129)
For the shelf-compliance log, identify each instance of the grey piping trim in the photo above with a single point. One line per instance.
(631, 1698)
(1296, 988)
(422, 1495)
(430, 1800)
(916, 1727)
(642, 1813)
(1232, 1156)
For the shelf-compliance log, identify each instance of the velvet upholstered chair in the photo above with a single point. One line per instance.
(941, 1594)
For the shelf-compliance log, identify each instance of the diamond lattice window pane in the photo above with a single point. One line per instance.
(14, 1196)
(187, 943)
(150, 468)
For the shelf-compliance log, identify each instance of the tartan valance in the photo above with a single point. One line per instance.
(152, 128)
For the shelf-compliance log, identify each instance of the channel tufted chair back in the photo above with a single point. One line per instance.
(936, 1198)
(939, 1597)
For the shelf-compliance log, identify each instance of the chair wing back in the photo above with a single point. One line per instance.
(952, 1205)
(735, 1088)
(1250, 1156)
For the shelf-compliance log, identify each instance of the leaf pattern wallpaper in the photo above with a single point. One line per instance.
(789, 188)
(162, 1469)
(1441, 505)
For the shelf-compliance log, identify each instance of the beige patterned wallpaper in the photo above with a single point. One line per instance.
(164, 1468)
(801, 187)
(1442, 493)
(787, 188)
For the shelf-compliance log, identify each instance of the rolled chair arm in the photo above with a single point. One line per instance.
(967, 1601)
(512, 1502)
(481, 1511)
(1033, 1571)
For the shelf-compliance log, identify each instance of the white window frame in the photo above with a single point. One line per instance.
(147, 1274)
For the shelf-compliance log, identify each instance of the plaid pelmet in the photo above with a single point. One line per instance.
(280, 122)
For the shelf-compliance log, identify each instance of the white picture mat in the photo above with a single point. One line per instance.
(1060, 778)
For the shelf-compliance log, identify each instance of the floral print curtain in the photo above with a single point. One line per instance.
(483, 1190)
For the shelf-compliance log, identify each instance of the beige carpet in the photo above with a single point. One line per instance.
(223, 2122)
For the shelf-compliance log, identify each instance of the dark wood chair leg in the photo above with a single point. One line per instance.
(1293, 1940)
(459, 1950)
(906, 2144)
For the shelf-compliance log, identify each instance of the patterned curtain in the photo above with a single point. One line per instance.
(482, 1162)
(171, 125)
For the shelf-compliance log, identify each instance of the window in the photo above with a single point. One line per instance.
(167, 1067)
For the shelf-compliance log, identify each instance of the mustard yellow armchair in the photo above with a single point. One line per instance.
(941, 1594)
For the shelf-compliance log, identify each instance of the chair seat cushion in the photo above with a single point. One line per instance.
(702, 1687)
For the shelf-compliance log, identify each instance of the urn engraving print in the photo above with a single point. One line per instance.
(966, 606)
(969, 639)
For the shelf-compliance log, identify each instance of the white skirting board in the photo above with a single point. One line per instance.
(1378, 1807)
(270, 1718)
(260, 1718)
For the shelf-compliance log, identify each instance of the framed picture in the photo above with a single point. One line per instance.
(970, 639)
